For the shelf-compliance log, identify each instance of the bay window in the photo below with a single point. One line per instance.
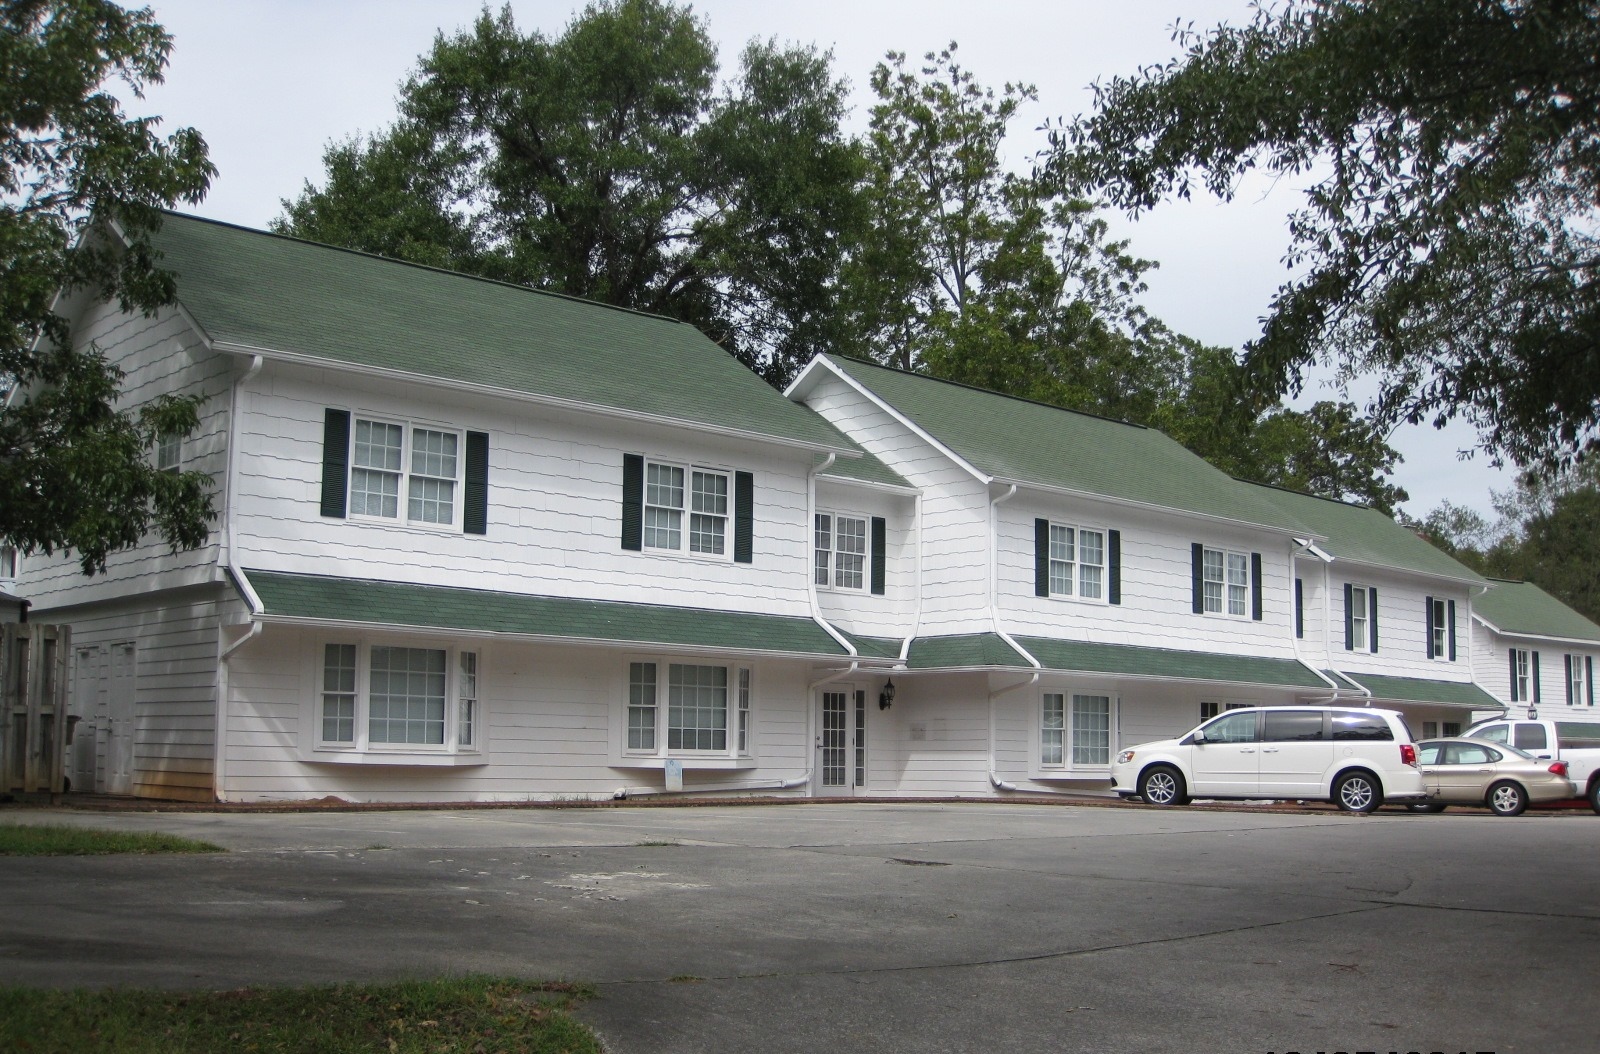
(383, 697)
(688, 709)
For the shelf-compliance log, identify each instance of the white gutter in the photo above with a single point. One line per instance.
(1147, 506)
(219, 763)
(811, 578)
(994, 618)
(1296, 549)
(574, 405)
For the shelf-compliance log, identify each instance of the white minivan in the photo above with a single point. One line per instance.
(1355, 757)
(1575, 742)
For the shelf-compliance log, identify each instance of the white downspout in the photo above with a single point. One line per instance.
(811, 578)
(219, 762)
(916, 615)
(1296, 550)
(994, 619)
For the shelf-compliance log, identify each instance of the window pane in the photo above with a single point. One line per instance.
(711, 493)
(697, 707)
(467, 712)
(339, 693)
(664, 487)
(642, 706)
(377, 446)
(374, 493)
(744, 711)
(706, 533)
(432, 500)
(433, 453)
(1052, 727)
(823, 541)
(1238, 582)
(406, 698)
(1232, 728)
(1061, 553)
(1091, 730)
(1292, 726)
(850, 542)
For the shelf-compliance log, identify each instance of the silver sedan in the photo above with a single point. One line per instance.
(1500, 777)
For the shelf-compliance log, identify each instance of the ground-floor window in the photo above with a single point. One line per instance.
(1435, 729)
(385, 697)
(1075, 730)
(691, 708)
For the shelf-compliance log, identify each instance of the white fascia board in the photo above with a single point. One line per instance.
(887, 488)
(534, 398)
(436, 632)
(1131, 503)
(1579, 642)
(1410, 572)
(821, 363)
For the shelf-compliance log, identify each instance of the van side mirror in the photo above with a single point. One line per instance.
(1199, 736)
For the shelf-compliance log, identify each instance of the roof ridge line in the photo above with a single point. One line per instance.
(998, 395)
(424, 267)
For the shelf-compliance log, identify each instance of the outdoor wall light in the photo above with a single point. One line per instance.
(886, 697)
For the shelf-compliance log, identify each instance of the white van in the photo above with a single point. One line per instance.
(1355, 757)
(1575, 742)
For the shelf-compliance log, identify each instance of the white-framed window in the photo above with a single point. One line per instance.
(1439, 643)
(839, 548)
(1575, 680)
(1360, 618)
(1226, 583)
(686, 509)
(404, 471)
(1521, 690)
(1077, 562)
(8, 563)
(1075, 730)
(388, 697)
(684, 708)
(169, 452)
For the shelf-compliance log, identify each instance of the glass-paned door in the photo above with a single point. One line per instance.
(841, 742)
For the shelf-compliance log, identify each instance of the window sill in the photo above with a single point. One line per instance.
(689, 762)
(1086, 772)
(406, 758)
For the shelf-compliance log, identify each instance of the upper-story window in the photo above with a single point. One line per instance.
(169, 452)
(8, 563)
(840, 551)
(1577, 681)
(404, 472)
(1524, 676)
(674, 493)
(1440, 617)
(1077, 562)
(1360, 618)
(1226, 582)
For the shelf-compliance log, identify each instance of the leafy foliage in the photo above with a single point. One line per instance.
(1448, 242)
(608, 164)
(74, 469)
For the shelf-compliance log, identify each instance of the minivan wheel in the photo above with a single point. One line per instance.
(1357, 792)
(1162, 785)
(1507, 799)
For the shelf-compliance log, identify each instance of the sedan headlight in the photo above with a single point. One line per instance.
(1124, 757)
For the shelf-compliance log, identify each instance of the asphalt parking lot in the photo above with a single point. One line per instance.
(873, 927)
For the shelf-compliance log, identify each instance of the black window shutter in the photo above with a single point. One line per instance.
(1533, 660)
(1372, 618)
(744, 517)
(1349, 617)
(1588, 677)
(1299, 608)
(1114, 555)
(1197, 589)
(1255, 586)
(475, 513)
(633, 502)
(880, 553)
(1450, 616)
(1515, 697)
(1427, 623)
(335, 461)
(1570, 700)
(1041, 558)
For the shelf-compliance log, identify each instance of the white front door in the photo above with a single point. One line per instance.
(841, 741)
(116, 722)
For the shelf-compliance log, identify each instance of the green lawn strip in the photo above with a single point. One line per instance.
(23, 839)
(469, 1015)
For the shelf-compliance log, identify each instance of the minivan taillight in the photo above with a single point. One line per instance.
(1559, 768)
(1408, 754)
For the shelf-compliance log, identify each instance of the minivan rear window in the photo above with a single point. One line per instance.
(1360, 726)
(1292, 726)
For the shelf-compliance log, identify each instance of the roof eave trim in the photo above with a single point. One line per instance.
(1588, 642)
(891, 488)
(1352, 561)
(544, 638)
(1134, 503)
(576, 405)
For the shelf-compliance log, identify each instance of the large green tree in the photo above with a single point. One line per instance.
(609, 163)
(1447, 244)
(82, 186)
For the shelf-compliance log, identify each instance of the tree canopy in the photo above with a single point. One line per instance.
(75, 471)
(1448, 242)
(610, 163)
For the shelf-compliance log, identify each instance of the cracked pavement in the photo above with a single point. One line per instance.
(872, 926)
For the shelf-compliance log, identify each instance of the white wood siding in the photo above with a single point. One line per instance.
(1402, 626)
(859, 610)
(555, 501)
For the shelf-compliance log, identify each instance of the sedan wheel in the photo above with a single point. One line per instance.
(1507, 799)
(1426, 806)
(1357, 792)
(1162, 785)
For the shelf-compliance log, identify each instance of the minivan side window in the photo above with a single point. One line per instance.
(1290, 726)
(1531, 736)
(1232, 728)
(1360, 726)
(1493, 733)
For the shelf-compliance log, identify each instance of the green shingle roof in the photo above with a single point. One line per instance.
(1421, 690)
(1524, 608)
(963, 651)
(865, 469)
(275, 293)
(1366, 536)
(1015, 440)
(1168, 662)
(351, 600)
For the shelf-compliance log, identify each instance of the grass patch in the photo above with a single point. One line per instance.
(24, 839)
(470, 1015)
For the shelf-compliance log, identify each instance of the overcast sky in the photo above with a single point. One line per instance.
(270, 83)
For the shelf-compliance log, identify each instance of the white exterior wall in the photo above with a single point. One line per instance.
(859, 610)
(1492, 670)
(555, 501)
(1157, 593)
(553, 725)
(1317, 611)
(955, 509)
(1402, 626)
(160, 355)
